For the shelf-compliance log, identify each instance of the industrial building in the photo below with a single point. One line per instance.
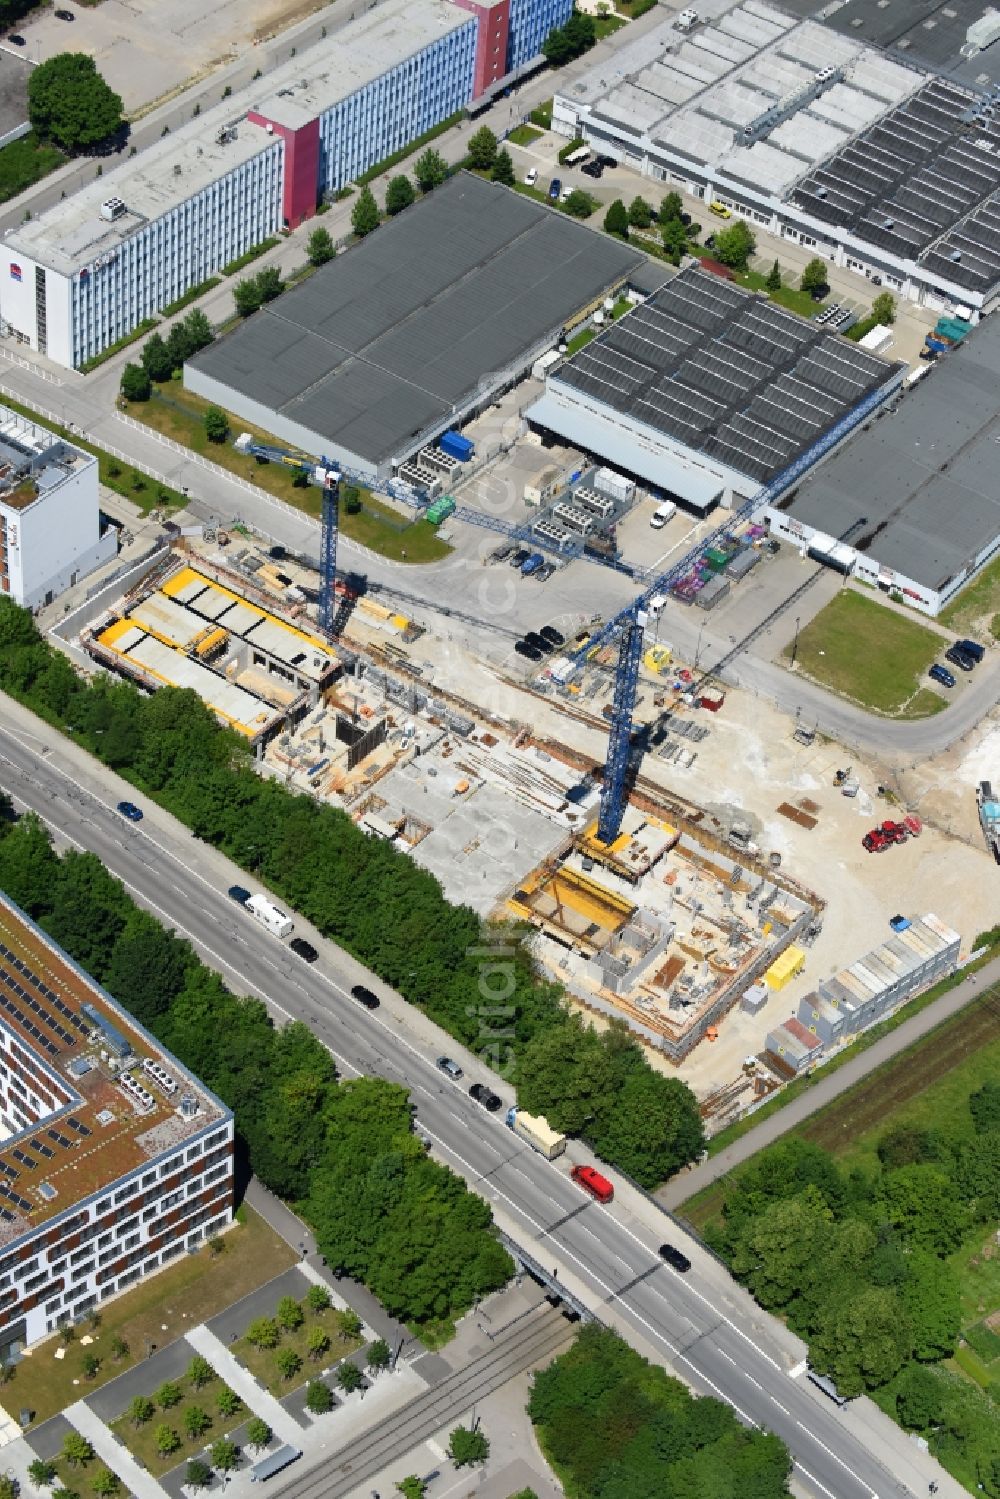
(415, 328)
(114, 1158)
(810, 133)
(707, 391)
(919, 954)
(257, 672)
(917, 491)
(86, 272)
(51, 532)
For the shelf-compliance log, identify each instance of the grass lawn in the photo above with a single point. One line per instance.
(523, 135)
(178, 414)
(580, 340)
(870, 654)
(193, 1288)
(262, 1361)
(608, 25)
(24, 162)
(924, 704)
(141, 1441)
(788, 296)
(976, 605)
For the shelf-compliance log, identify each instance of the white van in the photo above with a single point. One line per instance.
(267, 913)
(662, 514)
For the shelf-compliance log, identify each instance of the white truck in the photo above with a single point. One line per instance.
(536, 1132)
(268, 914)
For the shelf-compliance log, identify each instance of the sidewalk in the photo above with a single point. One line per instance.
(256, 1399)
(113, 1454)
(685, 1185)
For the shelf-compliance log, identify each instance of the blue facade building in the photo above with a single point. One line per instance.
(530, 23)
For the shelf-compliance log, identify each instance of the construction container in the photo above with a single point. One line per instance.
(952, 328)
(456, 446)
(713, 592)
(716, 559)
(606, 481)
(785, 968)
(712, 699)
(754, 998)
(742, 563)
(441, 509)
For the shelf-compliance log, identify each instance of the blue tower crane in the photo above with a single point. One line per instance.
(328, 550)
(620, 740)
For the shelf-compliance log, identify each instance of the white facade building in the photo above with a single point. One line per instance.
(50, 521)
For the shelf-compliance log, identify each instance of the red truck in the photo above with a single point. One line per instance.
(593, 1182)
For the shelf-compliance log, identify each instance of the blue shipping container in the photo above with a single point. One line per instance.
(457, 446)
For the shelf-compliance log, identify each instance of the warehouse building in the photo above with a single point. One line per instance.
(707, 392)
(813, 135)
(93, 267)
(114, 1158)
(414, 329)
(51, 532)
(917, 490)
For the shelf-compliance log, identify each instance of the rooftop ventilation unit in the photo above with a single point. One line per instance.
(112, 208)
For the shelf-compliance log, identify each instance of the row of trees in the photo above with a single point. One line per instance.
(160, 356)
(253, 291)
(365, 894)
(858, 1262)
(614, 1427)
(674, 231)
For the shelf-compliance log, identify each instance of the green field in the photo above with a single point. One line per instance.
(523, 135)
(788, 296)
(873, 655)
(262, 1361)
(975, 608)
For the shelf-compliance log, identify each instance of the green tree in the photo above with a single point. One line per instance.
(735, 245)
(196, 1421)
(640, 213)
(199, 330)
(320, 247)
(616, 219)
(319, 1398)
(468, 1445)
(674, 237)
(198, 1475)
(317, 1342)
(317, 1298)
(263, 1333)
(216, 424)
(227, 1402)
(412, 1487)
(918, 1398)
(289, 1314)
(350, 1323)
(429, 169)
(90, 1364)
(166, 1439)
(398, 195)
(168, 1395)
(119, 1347)
(106, 1484)
(884, 308)
(921, 1204)
(9, 1487)
(287, 1362)
(779, 1244)
(136, 384)
(70, 104)
(349, 1377)
(179, 345)
(773, 282)
(654, 1127)
(246, 296)
(269, 283)
(671, 208)
(984, 1106)
(579, 205)
(814, 275)
(225, 1455)
(864, 1342)
(379, 1355)
(199, 1372)
(930, 1296)
(502, 169)
(42, 1473)
(482, 149)
(258, 1433)
(76, 1450)
(155, 359)
(364, 214)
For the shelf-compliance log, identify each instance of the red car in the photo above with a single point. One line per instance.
(593, 1182)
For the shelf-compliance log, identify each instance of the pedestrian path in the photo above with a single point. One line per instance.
(113, 1454)
(260, 1401)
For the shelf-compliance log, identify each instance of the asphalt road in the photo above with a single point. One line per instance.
(701, 1324)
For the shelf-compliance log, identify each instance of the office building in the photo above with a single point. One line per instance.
(50, 517)
(114, 1159)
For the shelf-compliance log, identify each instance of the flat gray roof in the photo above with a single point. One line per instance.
(925, 32)
(924, 477)
(365, 48)
(407, 325)
(726, 372)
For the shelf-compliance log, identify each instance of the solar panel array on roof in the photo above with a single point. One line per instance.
(726, 372)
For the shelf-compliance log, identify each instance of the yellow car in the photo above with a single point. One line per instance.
(721, 210)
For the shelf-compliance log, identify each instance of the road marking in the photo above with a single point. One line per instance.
(830, 1453)
(778, 1403)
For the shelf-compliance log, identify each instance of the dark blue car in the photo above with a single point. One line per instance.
(131, 811)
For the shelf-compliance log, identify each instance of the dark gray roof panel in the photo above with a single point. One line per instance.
(407, 325)
(726, 372)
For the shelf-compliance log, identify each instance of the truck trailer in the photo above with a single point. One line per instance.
(536, 1132)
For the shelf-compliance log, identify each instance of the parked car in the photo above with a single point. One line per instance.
(16, 40)
(545, 572)
(555, 188)
(972, 648)
(277, 553)
(489, 1100)
(674, 1257)
(593, 168)
(239, 893)
(532, 637)
(941, 674)
(532, 564)
(550, 634)
(64, 15)
(364, 996)
(607, 161)
(523, 648)
(131, 811)
(531, 176)
(500, 554)
(449, 1068)
(720, 210)
(303, 949)
(959, 658)
(518, 557)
